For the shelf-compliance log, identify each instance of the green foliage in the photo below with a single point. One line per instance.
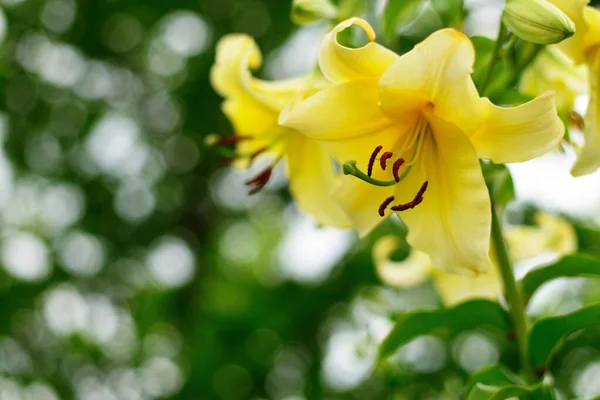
(499, 182)
(466, 316)
(485, 392)
(548, 334)
(570, 266)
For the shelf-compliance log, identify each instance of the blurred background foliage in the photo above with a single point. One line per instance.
(132, 268)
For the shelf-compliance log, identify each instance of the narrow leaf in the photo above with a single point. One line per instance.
(466, 316)
(548, 334)
(396, 12)
(571, 265)
(486, 392)
(494, 375)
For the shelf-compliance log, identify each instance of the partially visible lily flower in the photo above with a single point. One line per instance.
(253, 106)
(584, 48)
(410, 131)
(551, 237)
(553, 70)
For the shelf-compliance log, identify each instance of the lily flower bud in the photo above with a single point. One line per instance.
(537, 21)
(308, 11)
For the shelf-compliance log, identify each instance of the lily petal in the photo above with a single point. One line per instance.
(454, 289)
(575, 46)
(340, 63)
(339, 111)
(588, 159)
(252, 105)
(409, 272)
(312, 177)
(435, 74)
(453, 223)
(516, 134)
(361, 201)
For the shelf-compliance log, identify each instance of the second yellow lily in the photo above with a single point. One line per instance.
(416, 128)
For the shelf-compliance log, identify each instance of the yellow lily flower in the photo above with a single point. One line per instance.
(417, 126)
(253, 106)
(584, 48)
(552, 235)
(553, 70)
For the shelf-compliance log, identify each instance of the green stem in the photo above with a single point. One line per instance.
(496, 56)
(516, 305)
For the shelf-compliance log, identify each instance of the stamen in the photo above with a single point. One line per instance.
(257, 153)
(372, 160)
(422, 190)
(396, 168)
(260, 180)
(415, 202)
(384, 205)
(225, 161)
(215, 140)
(384, 157)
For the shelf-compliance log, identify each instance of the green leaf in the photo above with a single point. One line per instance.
(484, 51)
(499, 181)
(486, 392)
(548, 334)
(571, 265)
(466, 316)
(398, 12)
(494, 375)
(452, 11)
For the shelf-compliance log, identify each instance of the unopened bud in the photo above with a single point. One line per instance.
(308, 11)
(537, 21)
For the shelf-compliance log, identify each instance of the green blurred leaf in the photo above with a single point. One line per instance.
(494, 375)
(451, 11)
(466, 316)
(571, 265)
(398, 12)
(499, 181)
(484, 50)
(486, 392)
(548, 334)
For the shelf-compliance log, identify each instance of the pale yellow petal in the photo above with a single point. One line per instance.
(574, 47)
(312, 178)
(560, 233)
(252, 105)
(516, 134)
(454, 289)
(553, 70)
(452, 224)
(588, 159)
(338, 111)
(413, 270)
(436, 74)
(592, 19)
(361, 202)
(340, 63)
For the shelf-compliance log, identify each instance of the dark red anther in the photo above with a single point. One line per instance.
(225, 141)
(421, 191)
(257, 153)
(225, 161)
(260, 180)
(384, 205)
(418, 199)
(396, 168)
(404, 207)
(383, 160)
(372, 159)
